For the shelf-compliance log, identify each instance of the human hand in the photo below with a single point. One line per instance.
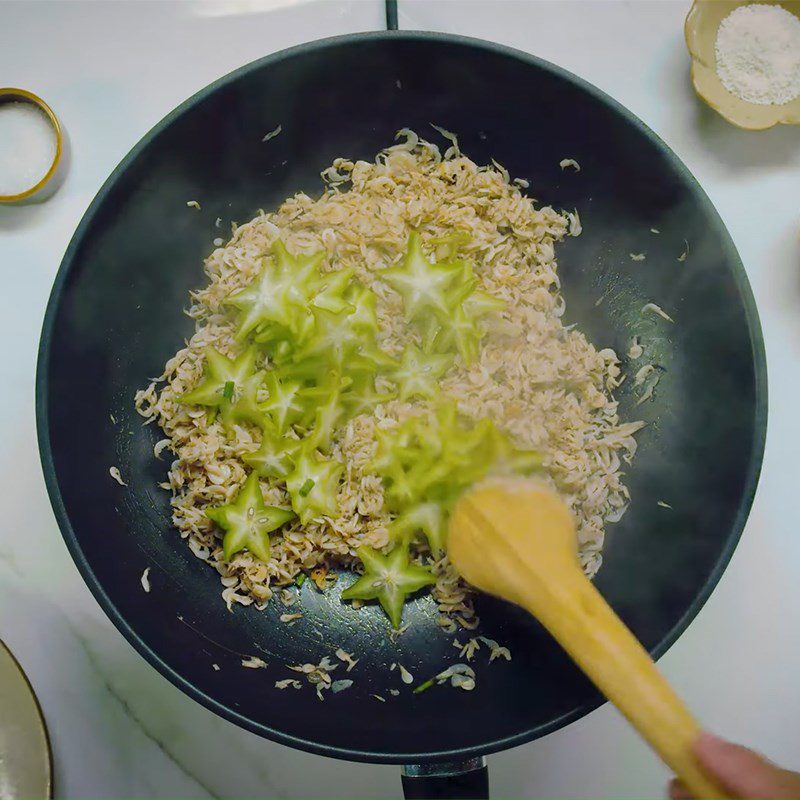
(741, 772)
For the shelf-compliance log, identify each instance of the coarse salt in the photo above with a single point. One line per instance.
(758, 54)
(27, 147)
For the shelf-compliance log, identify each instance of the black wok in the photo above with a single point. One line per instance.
(115, 316)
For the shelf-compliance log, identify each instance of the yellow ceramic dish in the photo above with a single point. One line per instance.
(700, 30)
(9, 95)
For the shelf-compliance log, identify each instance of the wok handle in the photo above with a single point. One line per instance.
(391, 15)
(466, 780)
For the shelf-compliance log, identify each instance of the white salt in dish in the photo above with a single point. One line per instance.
(30, 146)
(758, 54)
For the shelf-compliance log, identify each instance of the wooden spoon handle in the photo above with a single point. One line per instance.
(611, 656)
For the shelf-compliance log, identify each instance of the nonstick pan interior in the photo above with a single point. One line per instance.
(115, 317)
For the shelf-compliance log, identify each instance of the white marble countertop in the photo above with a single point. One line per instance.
(111, 70)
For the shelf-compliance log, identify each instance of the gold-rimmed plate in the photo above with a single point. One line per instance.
(26, 769)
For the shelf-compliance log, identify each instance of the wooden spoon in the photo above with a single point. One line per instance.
(515, 539)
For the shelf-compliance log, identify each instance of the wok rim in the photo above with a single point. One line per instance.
(71, 539)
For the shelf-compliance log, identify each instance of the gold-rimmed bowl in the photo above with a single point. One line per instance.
(702, 24)
(40, 189)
